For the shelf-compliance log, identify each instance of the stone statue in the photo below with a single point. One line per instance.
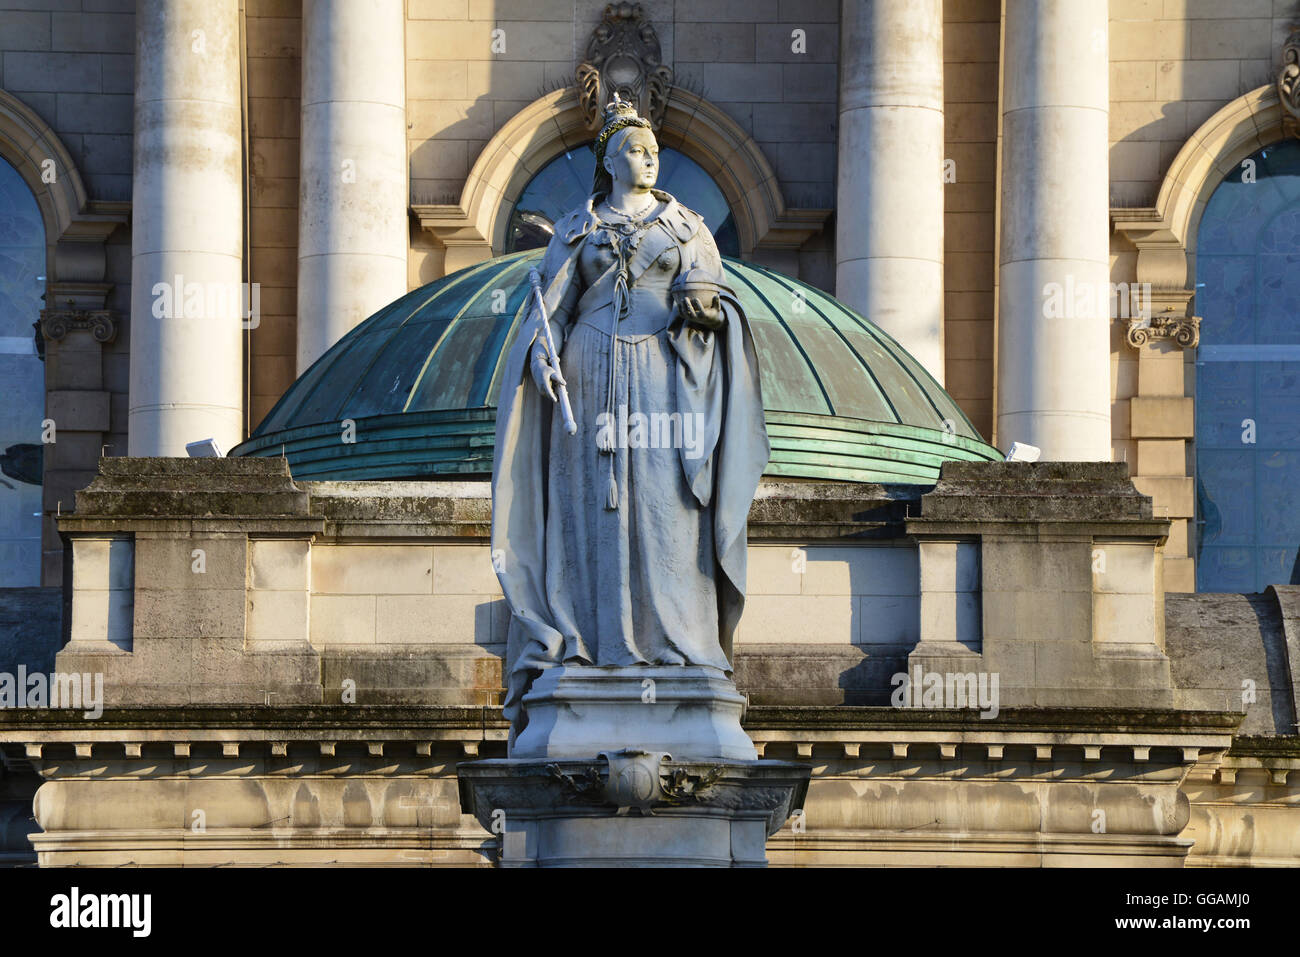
(625, 544)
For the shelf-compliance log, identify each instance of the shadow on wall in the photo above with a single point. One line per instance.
(1281, 704)
(30, 628)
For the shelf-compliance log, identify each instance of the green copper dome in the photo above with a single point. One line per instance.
(410, 393)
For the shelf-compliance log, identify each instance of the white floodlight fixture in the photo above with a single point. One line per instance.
(1020, 452)
(204, 449)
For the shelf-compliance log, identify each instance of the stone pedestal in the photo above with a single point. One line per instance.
(639, 766)
(632, 809)
(689, 712)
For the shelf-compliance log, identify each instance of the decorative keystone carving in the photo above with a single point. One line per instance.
(623, 57)
(1288, 83)
(1182, 330)
(57, 323)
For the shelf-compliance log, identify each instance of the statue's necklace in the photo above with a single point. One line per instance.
(630, 225)
(638, 215)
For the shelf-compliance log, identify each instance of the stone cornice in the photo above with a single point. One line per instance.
(410, 722)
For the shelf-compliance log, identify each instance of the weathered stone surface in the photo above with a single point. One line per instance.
(817, 674)
(1035, 492)
(134, 489)
(443, 675)
(1226, 650)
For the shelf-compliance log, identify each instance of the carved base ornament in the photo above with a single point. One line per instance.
(632, 807)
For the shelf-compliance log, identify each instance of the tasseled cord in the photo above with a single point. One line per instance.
(607, 444)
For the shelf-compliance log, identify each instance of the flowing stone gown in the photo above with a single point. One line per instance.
(651, 571)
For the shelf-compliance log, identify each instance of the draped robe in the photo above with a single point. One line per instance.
(716, 379)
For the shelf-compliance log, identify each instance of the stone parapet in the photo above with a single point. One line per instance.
(1002, 493)
(1069, 605)
(239, 585)
(382, 785)
(151, 494)
(167, 603)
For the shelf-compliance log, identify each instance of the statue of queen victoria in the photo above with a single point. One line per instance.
(624, 543)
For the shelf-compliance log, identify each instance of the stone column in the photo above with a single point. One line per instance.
(1053, 384)
(187, 228)
(352, 207)
(889, 233)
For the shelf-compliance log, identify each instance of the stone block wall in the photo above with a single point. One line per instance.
(826, 624)
(971, 127)
(31, 630)
(1048, 576)
(1173, 64)
(274, 33)
(73, 63)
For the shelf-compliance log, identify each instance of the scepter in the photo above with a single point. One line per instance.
(552, 357)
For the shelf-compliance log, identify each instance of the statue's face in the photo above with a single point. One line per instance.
(635, 161)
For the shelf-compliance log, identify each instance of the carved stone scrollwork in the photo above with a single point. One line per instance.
(1184, 331)
(1288, 83)
(638, 779)
(682, 787)
(587, 786)
(57, 323)
(623, 56)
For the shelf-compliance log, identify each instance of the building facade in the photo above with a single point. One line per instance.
(1072, 216)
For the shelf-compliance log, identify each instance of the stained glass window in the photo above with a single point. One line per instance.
(565, 183)
(1248, 377)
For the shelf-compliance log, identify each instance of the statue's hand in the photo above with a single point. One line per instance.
(545, 375)
(697, 313)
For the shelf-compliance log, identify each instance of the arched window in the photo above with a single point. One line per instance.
(1248, 376)
(565, 183)
(22, 380)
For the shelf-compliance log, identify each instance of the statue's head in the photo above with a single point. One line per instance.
(626, 150)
